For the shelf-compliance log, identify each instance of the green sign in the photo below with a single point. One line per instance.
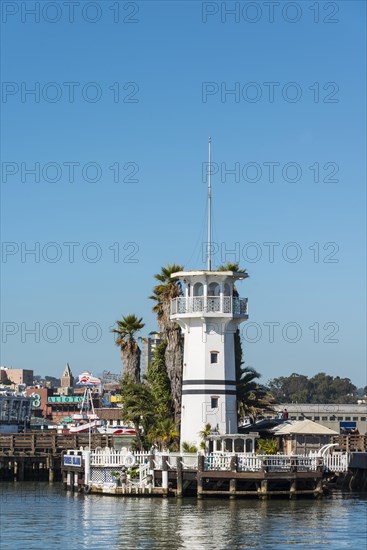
(36, 400)
(65, 399)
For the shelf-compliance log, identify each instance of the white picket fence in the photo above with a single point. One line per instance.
(246, 462)
(111, 457)
(337, 462)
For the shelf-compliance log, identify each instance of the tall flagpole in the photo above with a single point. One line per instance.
(209, 208)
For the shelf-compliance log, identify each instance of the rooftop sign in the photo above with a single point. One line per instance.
(65, 399)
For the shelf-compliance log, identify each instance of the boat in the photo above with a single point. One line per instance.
(77, 428)
(117, 430)
(86, 420)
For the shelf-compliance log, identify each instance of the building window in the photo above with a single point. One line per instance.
(355, 417)
(363, 419)
(347, 418)
(324, 418)
(340, 418)
(332, 418)
(293, 418)
(213, 357)
(214, 402)
(316, 418)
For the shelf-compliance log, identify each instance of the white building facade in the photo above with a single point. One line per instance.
(209, 314)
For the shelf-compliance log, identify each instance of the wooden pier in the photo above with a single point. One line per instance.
(37, 456)
(229, 476)
(41, 457)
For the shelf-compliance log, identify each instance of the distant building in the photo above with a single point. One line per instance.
(338, 417)
(67, 379)
(20, 376)
(3, 374)
(149, 347)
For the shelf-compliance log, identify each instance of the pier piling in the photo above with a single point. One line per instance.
(165, 475)
(200, 473)
(179, 492)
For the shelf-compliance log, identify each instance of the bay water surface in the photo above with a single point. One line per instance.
(39, 515)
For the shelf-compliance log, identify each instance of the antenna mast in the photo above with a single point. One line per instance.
(209, 208)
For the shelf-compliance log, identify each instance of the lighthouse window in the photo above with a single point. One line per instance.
(214, 402)
(226, 290)
(214, 357)
(198, 289)
(213, 289)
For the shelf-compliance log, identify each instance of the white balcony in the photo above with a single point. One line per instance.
(210, 305)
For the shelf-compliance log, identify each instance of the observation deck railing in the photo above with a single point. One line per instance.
(210, 304)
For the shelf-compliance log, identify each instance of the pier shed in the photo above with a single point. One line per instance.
(302, 436)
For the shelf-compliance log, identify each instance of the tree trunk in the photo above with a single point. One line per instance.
(131, 362)
(171, 332)
(173, 357)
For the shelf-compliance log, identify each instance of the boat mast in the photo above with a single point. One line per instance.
(209, 253)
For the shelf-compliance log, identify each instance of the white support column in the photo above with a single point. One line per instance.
(76, 477)
(86, 467)
(187, 296)
(221, 286)
(205, 295)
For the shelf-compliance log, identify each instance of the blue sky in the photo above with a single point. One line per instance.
(174, 69)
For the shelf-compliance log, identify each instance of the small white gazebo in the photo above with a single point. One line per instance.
(232, 443)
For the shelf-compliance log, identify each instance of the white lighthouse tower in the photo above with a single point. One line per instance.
(209, 314)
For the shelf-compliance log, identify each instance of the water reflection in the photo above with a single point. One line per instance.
(44, 516)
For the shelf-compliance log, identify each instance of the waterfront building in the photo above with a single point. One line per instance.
(56, 407)
(15, 413)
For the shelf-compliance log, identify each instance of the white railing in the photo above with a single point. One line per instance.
(144, 471)
(249, 463)
(209, 304)
(107, 457)
(111, 457)
(215, 461)
(189, 461)
(337, 462)
(246, 462)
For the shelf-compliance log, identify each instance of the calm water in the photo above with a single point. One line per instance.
(37, 515)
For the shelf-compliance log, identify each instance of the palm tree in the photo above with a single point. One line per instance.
(138, 408)
(231, 267)
(165, 435)
(166, 290)
(253, 399)
(237, 269)
(189, 447)
(204, 434)
(130, 351)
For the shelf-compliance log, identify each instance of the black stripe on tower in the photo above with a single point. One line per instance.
(206, 392)
(211, 382)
